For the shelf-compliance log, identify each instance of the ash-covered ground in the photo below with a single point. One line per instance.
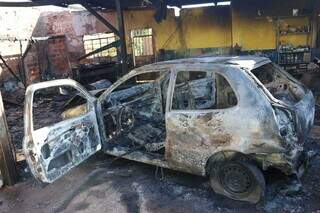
(126, 186)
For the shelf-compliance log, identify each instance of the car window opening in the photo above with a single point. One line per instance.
(135, 116)
(281, 87)
(202, 90)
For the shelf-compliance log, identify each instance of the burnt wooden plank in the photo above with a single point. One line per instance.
(7, 157)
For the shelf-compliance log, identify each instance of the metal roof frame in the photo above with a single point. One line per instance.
(101, 3)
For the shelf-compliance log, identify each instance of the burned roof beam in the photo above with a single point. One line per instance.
(122, 36)
(26, 3)
(101, 4)
(106, 47)
(10, 70)
(101, 19)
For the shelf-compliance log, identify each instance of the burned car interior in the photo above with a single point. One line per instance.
(278, 84)
(135, 116)
(202, 90)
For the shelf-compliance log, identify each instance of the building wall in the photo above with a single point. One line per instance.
(19, 23)
(177, 34)
(174, 33)
(196, 31)
(186, 31)
(254, 32)
(32, 66)
(47, 60)
(17, 27)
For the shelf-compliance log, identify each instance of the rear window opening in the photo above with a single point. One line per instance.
(278, 84)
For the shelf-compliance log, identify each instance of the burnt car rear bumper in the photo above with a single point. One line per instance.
(294, 163)
(305, 111)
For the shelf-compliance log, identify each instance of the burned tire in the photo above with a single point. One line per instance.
(238, 180)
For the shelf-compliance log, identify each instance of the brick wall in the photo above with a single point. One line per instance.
(32, 68)
(47, 60)
(64, 46)
(59, 57)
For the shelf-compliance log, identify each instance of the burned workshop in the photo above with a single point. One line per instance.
(160, 106)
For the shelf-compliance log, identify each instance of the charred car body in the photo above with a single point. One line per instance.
(228, 118)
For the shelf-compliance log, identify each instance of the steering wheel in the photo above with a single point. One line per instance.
(125, 118)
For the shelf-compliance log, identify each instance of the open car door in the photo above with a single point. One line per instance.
(51, 151)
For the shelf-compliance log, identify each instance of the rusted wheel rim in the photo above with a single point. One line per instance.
(236, 178)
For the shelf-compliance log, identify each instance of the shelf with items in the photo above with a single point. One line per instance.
(294, 58)
(294, 30)
(293, 34)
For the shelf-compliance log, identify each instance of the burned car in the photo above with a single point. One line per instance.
(228, 118)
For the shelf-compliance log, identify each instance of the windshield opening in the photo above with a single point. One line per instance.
(278, 84)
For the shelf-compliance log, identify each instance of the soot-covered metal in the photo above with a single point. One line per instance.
(223, 117)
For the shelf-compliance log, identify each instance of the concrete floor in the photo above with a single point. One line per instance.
(126, 186)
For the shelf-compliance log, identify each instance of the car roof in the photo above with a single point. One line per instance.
(247, 62)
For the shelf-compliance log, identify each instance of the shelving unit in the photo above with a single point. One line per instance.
(293, 58)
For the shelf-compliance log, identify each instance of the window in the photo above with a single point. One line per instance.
(226, 96)
(150, 79)
(137, 108)
(53, 105)
(276, 82)
(142, 44)
(93, 42)
(202, 90)
(264, 73)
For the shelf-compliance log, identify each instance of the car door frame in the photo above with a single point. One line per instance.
(31, 148)
(137, 155)
(195, 164)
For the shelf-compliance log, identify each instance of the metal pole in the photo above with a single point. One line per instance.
(21, 68)
(314, 23)
(7, 155)
(123, 52)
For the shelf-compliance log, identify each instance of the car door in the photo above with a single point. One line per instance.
(200, 117)
(52, 150)
(133, 111)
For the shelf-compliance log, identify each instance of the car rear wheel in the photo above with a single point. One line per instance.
(238, 180)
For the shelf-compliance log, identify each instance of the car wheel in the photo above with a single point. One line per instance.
(238, 180)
